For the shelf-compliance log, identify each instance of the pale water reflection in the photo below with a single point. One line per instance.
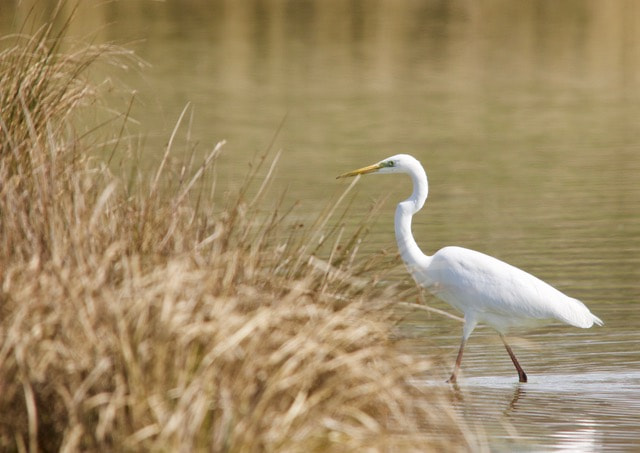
(524, 114)
(582, 395)
(586, 412)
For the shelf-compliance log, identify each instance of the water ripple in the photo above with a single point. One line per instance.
(592, 411)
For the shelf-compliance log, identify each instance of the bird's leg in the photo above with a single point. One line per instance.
(522, 376)
(454, 375)
(469, 325)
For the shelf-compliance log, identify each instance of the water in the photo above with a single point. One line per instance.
(588, 412)
(582, 393)
(524, 114)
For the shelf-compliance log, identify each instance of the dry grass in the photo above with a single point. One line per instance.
(152, 322)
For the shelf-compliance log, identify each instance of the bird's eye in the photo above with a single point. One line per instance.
(389, 163)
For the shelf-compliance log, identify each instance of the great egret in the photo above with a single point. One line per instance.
(484, 288)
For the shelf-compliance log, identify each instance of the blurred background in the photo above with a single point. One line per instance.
(524, 114)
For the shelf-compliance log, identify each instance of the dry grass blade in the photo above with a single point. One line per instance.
(430, 310)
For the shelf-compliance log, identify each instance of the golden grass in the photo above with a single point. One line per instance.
(147, 320)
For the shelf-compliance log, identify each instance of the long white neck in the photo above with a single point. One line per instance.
(409, 250)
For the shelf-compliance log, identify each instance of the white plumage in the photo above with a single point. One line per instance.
(485, 289)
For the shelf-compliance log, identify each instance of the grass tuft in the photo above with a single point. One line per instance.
(151, 319)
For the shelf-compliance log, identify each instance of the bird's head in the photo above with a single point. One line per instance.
(400, 163)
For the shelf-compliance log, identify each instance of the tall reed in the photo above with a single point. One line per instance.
(153, 320)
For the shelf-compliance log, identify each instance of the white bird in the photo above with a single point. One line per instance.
(485, 289)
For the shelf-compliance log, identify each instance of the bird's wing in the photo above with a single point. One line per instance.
(473, 281)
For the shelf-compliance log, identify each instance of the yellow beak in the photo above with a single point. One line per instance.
(361, 171)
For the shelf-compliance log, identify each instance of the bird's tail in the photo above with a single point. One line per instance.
(597, 320)
(578, 314)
